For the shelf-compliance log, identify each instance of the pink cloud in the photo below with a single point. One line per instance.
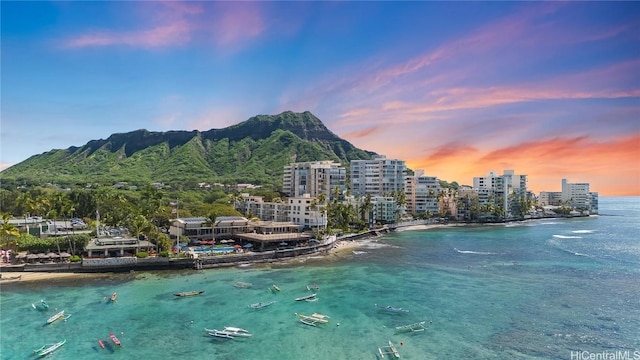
(177, 33)
(236, 22)
(229, 25)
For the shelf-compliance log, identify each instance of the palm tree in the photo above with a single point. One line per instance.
(211, 221)
(140, 225)
(151, 200)
(8, 231)
(365, 210)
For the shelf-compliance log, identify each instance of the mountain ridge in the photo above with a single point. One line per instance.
(254, 150)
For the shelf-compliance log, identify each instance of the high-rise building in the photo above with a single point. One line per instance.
(505, 191)
(377, 177)
(421, 193)
(313, 178)
(578, 196)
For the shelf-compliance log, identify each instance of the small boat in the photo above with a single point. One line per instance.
(41, 306)
(389, 350)
(306, 297)
(235, 331)
(229, 332)
(114, 339)
(242, 284)
(313, 319)
(220, 334)
(101, 343)
(416, 327)
(189, 293)
(261, 305)
(273, 288)
(320, 316)
(392, 309)
(58, 316)
(49, 348)
(313, 287)
(114, 296)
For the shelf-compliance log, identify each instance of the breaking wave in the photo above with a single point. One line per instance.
(582, 231)
(474, 252)
(567, 237)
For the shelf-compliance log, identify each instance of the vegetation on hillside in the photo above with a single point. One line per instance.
(254, 151)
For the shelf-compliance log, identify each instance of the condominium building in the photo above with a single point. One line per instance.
(314, 178)
(377, 177)
(306, 212)
(421, 193)
(505, 189)
(255, 206)
(385, 209)
(575, 195)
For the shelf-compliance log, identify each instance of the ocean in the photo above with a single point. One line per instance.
(540, 289)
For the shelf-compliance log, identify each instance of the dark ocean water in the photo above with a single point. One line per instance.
(532, 290)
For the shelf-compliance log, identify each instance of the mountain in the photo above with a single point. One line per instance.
(253, 151)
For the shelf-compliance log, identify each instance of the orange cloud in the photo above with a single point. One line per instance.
(612, 167)
(364, 132)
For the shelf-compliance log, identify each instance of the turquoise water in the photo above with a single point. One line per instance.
(532, 290)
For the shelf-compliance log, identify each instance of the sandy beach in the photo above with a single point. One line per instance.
(340, 249)
(13, 277)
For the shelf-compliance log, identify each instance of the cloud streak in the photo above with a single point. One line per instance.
(226, 25)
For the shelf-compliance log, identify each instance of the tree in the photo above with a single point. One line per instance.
(139, 226)
(152, 202)
(365, 210)
(211, 221)
(8, 231)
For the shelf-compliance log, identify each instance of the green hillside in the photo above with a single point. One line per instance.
(254, 151)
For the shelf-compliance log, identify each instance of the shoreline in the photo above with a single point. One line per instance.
(340, 249)
(33, 276)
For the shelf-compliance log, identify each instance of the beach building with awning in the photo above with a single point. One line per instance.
(117, 247)
(269, 235)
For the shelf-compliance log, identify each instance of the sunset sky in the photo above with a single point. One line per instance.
(548, 89)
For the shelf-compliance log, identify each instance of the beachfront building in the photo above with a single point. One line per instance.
(421, 194)
(272, 235)
(575, 195)
(505, 194)
(116, 246)
(314, 178)
(303, 211)
(385, 209)
(199, 229)
(377, 177)
(255, 206)
(259, 235)
(547, 198)
(307, 212)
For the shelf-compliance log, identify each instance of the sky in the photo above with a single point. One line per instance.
(458, 89)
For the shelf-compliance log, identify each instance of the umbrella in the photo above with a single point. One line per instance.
(283, 244)
(223, 241)
(237, 246)
(65, 255)
(248, 245)
(32, 256)
(21, 256)
(42, 256)
(314, 240)
(52, 255)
